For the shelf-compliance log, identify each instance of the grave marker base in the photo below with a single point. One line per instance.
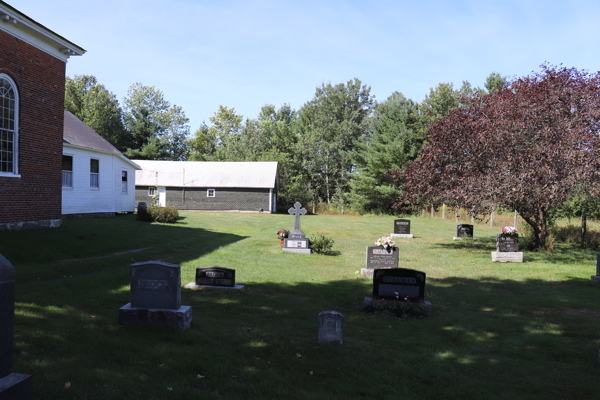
(296, 250)
(193, 286)
(507, 256)
(131, 316)
(402, 235)
(369, 301)
(464, 238)
(16, 387)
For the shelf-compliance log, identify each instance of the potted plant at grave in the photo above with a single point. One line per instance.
(510, 231)
(282, 234)
(386, 242)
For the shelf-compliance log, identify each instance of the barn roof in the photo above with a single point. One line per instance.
(209, 174)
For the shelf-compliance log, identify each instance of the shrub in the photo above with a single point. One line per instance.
(320, 243)
(167, 215)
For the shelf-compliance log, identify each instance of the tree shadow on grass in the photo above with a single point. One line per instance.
(263, 340)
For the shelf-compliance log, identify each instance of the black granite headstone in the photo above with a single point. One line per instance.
(155, 284)
(402, 226)
(464, 230)
(507, 243)
(215, 276)
(380, 257)
(398, 284)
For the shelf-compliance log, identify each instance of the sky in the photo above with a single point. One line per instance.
(246, 54)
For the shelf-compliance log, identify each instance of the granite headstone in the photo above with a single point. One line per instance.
(296, 242)
(464, 231)
(215, 276)
(381, 257)
(12, 385)
(507, 243)
(330, 327)
(402, 226)
(399, 284)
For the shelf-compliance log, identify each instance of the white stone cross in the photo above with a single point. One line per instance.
(298, 212)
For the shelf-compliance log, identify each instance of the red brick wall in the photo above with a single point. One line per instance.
(40, 80)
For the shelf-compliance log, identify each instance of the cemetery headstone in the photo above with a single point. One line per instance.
(398, 284)
(215, 278)
(402, 229)
(142, 204)
(379, 257)
(296, 242)
(330, 327)
(156, 297)
(12, 385)
(596, 278)
(507, 249)
(464, 231)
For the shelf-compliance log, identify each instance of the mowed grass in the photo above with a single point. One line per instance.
(497, 331)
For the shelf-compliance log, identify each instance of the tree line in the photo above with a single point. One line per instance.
(527, 144)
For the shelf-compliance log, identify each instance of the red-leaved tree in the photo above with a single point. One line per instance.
(524, 147)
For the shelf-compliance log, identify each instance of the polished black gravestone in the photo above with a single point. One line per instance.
(398, 286)
(216, 278)
(155, 297)
(464, 231)
(507, 243)
(296, 242)
(379, 257)
(330, 327)
(596, 278)
(402, 229)
(12, 386)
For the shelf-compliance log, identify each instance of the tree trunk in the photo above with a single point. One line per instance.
(539, 224)
(423, 212)
(515, 220)
(493, 217)
(583, 230)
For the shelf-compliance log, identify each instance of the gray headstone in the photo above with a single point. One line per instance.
(7, 312)
(379, 257)
(464, 230)
(330, 328)
(155, 284)
(297, 210)
(12, 386)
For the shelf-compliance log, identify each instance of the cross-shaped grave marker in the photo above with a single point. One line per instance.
(298, 211)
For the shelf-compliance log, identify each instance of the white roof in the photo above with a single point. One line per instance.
(209, 174)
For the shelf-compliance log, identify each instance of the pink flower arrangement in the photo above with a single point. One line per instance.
(510, 230)
(385, 242)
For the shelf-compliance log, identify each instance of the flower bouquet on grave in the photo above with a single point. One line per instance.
(386, 242)
(510, 231)
(282, 233)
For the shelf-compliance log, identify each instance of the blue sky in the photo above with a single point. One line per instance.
(245, 54)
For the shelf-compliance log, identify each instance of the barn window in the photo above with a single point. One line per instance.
(210, 193)
(9, 126)
(67, 171)
(94, 173)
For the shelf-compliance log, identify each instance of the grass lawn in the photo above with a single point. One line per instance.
(497, 331)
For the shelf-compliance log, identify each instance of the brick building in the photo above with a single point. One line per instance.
(32, 82)
(209, 186)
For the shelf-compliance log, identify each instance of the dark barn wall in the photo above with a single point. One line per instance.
(225, 199)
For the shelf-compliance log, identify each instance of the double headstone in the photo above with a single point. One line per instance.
(296, 242)
(596, 278)
(379, 257)
(330, 327)
(398, 284)
(12, 386)
(507, 248)
(215, 278)
(464, 231)
(156, 297)
(402, 229)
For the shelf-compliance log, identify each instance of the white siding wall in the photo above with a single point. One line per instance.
(108, 198)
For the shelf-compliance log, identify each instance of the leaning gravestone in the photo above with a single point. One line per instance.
(379, 257)
(402, 229)
(296, 242)
(398, 284)
(12, 386)
(596, 278)
(507, 249)
(330, 328)
(214, 278)
(464, 231)
(156, 297)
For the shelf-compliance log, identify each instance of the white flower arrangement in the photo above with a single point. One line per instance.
(385, 242)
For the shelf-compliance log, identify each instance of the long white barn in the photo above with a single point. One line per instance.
(209, 185)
